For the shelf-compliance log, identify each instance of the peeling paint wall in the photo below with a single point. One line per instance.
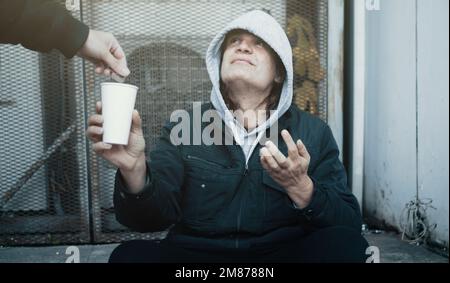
(406, 122)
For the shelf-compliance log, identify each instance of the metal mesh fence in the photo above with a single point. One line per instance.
(66, 196)
(43, 173)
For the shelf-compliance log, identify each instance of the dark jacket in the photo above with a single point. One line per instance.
(41, 26)
(210, 195)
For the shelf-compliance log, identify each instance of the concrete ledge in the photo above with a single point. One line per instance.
(392, 250)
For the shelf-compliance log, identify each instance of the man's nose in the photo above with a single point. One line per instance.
(245, 47)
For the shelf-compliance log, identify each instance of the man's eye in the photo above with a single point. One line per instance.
(234, 40)
(260, 42)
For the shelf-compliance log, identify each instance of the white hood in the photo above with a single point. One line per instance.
(268, 29)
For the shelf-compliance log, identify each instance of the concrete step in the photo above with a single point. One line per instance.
(392, 249)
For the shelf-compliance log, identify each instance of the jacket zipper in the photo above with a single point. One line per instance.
(205, 161)
(240, 211)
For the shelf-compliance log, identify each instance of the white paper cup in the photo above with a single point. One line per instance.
(117, 109)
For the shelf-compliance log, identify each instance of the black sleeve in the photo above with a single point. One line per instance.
(158, 204)
(332, 203)
(41, 25)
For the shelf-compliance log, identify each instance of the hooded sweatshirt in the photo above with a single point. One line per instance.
(268, 29)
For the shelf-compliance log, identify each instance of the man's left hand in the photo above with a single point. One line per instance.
(290, 172)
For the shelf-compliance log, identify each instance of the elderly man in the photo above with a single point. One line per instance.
(250, 201)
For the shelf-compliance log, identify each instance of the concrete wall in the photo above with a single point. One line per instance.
(406, 118)
(433, 90)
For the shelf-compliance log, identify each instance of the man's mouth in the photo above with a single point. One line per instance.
(245, 61)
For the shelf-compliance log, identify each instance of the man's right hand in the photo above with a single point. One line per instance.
(130, 159)
(103, 49)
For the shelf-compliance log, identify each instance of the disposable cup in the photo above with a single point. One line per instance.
(118, 101)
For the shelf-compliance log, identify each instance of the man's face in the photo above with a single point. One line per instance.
(247, 59)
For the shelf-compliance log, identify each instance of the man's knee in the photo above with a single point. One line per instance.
(135, 251)
(339, 244)
(121, 252)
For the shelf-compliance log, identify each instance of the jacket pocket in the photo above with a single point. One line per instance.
(205, 168)
(205, 199)
(206, 162)
(208, 189)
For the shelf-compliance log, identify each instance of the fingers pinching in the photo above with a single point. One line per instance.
(107, 72)
(99, 68)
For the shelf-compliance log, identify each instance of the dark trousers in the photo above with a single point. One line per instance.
(332, 244)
